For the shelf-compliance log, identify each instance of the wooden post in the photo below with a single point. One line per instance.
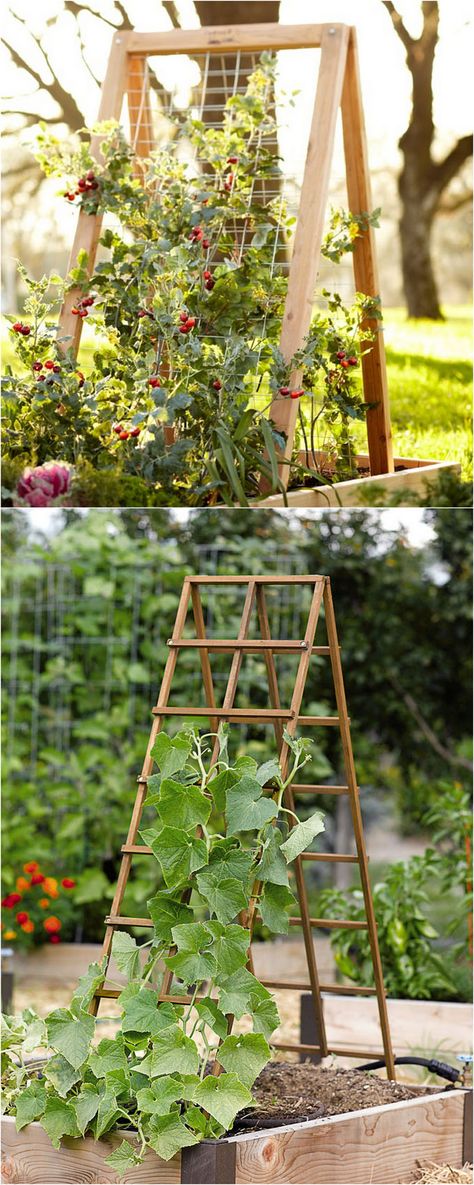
(89, 226)
(209, 1162)
(309, 230)
(374, 371)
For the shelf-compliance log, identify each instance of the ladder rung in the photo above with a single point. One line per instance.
(252, 645)
(257, 579)
(307, 789)
(330, 856)
(113, 993)
(137, 849)
(242, 714)
(115, 919)
(331, 923)
(333, 989)
(328, 721)
(337, 1049)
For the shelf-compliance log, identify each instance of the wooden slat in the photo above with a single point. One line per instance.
(147, 768)
(335, 989)
(374, 368)
(383, 1145)
(275, 579)
(204, 653)
(29, 1157)
(307, 788)
(89, 226)
(301, 1047)
(357, 823)
(252, 645)
(330, 857)
(139, 110)
(228, 39)
(310, 224)
(331, 923)
(242, 714)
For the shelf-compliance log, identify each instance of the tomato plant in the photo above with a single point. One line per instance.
(185, 305)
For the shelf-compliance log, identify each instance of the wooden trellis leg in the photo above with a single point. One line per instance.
(374, 369)
(358, 825)
(310, 225)
(289, 799)
(89, 226)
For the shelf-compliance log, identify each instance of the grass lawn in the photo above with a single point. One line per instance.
(430, 385)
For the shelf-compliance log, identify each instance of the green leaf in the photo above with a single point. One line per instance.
(35, 1035)
(179, 854)
(89, 983)
(182, 806)
(195, 959)
(30, 1104)
(126, 953)
(107, 1113)
(272, 866)
(263, 1010)
(208, 1011)
(71, 1034)
(300, 836)
(92, 885)
(157, 1098)
(167, 1134)
(219, 785)
(229, 861)
(222, 1097)
(274, 905)
(86, 1106)
(225, 897)
(173, 1052)
(109, 1055)
(142, 1014)
(244, 1054)
(59, 1120)
(171, 755)
(167, 911)
(247, 810)
(268, 771)
(231, 947)
(261, 234)
(234, 993)
(61, 1074)
(122, 1158)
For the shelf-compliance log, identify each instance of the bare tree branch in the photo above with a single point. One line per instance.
(450, 166)
(66, 102)
(446, 754)
(170, 9)
(398, 25)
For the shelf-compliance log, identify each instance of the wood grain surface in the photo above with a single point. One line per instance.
(378, 1146)
(28, 1158)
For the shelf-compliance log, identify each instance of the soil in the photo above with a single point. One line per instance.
(287, 1092)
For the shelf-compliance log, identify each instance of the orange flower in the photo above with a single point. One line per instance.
(22, 883)
(50, 886)
(52, 924)
(28, 927)
(32, 866)
(9, 934)
(44, 902)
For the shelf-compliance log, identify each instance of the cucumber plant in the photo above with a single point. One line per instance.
(175, 1073)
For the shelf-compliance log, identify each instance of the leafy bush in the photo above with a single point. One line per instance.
(186, 310)
(223, 844)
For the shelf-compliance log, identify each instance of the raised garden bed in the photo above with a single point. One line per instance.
(379, 1143)
(410, 475)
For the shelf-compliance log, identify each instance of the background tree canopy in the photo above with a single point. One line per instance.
(88, 611)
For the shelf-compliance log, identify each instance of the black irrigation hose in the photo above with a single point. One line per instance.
(440, 1068)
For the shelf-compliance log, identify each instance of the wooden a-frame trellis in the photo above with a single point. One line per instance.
(291, 718)
(338, 87)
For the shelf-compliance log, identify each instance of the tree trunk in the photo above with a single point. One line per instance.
(416, 224)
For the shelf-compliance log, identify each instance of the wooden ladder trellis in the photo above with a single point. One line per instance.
(281, 718)
(338, 87)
